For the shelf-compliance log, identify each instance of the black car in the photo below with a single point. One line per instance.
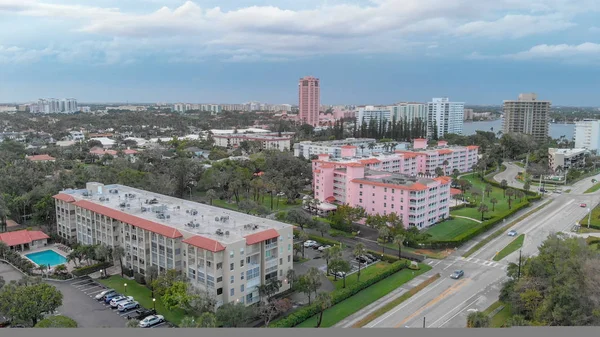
(316, 246)
(370, 256)
(140, 314)
(362, 259)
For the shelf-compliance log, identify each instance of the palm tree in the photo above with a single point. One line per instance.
(504, 185)
(478, 319)
(371, 146)
(302, 236)
(439, 171)
(493, 201)
(42, 269)
(399, 241)
(362, 149)
(483, 208)
(384, 233)
(3, 249)
(207, 320)
(359, 250)
(330, 254)
(445, 163)
(455, 173)
(118, 253)
(510, 192)
(527, 185)
(61, 268)
(488, 189)
(211, 194)
(324, 302)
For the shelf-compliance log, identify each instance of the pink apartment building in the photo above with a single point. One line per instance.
(419, 202)
(309, 100)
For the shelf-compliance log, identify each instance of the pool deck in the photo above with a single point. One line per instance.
(53, 247)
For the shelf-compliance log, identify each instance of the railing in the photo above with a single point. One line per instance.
(271, 245)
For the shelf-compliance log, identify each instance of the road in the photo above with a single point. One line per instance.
(510, 175)
(447, 302)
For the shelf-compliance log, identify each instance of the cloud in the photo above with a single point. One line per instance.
(259, 33)
(559, 51)
(17, 55)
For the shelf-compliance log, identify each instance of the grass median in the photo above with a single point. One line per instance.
(593, 189)
(365, 297)
(501, 231)
(499, 313)
(510, 248)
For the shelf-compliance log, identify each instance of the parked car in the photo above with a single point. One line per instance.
(4, 322)
(109, 297)
(369, 260)
(128, 305)
(362, 259)
(340, 274)
(457, 274)
(558, 191)
(582, 205)
(309, 243)
(316, 246)
(322, 248)
(512, 233)
(120, 299)
(151, 321)
(370, 256)
(141, 313)
(103, 293)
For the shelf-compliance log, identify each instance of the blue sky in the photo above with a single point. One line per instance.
(364, 51)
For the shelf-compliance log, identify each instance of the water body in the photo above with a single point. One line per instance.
(556, 130)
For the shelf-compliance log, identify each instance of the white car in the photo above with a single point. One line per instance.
(322, 248)
(104, 292)
(151, 320)
(512, 233)
(309, 243)
(120, 299)
(128, 305)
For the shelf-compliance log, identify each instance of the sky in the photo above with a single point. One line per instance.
(364, 51)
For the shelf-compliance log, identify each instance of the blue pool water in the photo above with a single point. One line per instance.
(47, 257)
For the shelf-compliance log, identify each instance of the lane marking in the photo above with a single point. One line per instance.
(456, 307)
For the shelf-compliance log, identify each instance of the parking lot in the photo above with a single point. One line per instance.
(80, 304)
(316, 260)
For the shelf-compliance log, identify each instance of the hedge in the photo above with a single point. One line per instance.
(592, 239)
(91, 269)
(320, 239)
(337, 296)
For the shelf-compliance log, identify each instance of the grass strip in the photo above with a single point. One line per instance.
(501, 231)
(593, 189)
(391, 305)
(511, 247)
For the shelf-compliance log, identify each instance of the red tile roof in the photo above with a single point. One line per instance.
(102, 152)
(413, 187)
(41, 157)
(130, 219)
(205, 243)
(445, 151)
(472, 147)
(22, 237)
(130, 151)
(261, 236)
(348, 147)
(444, 180)
(370, 161)
(330, 199)
(64, 197)
(455, 191)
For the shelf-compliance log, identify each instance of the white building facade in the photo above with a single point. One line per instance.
(334, 148)
(587, 134)
(444, 116)
(409, 111)
(378, 114)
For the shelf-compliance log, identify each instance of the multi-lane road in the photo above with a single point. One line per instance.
(447, 302)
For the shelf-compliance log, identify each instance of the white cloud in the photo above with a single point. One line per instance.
(17, 55)
(257, 33)
(559, 51)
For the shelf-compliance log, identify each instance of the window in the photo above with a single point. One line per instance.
(231, 279)
(385, 197)
(231, 266)
(241, 262)
(281, 239)
(231, 292)
(242, 276)
(219, 291)
(231, 254)
(219, 279)
(242, 289)
(360, 193)
(289, 247)
(280, 261)
(219, 265)
(242, 251)
(360, 185)
(385, 189)
(384, 204)
(373, 194)
(360, 200)
(289, 258)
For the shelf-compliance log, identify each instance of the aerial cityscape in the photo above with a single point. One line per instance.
(251, 197)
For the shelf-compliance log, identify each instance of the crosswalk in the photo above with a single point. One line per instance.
(481, 262)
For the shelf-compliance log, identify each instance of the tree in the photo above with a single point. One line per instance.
(152, 274)
(2, 281)
(29, 303)
(527, 185)
(165, 281)
(383, 236)
(176, 296)
(399, 241)
(504, 185)
(493, 201)
(188, 322)
(322, 227)
(234, 315)
(488, 189)
(133, 323)
(510, 192)
(103, 253)
(299, 217)
(271, 309)
(439, 171)
(359, 250)
(118, 253)
(340, 266)
(56, 322)
(309, 283)
(302, 236)
(482, 209)
(331, 253)
(324, 301)
(478, 319)
(291, 277)
(211, 194)
(207, 320)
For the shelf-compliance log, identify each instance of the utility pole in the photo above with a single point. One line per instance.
(589, 216)
(519, 272)
(423, 322)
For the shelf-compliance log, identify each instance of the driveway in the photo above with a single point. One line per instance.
(9, 273)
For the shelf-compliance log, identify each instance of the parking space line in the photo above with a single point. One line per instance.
(85, 290)
(95, 291)
(79, 286)
(157, 325)
(80, 282)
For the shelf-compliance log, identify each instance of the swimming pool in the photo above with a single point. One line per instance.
(47, 257)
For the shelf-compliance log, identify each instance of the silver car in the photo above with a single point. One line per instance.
(129, 305)
(120, 299)
(151, 321)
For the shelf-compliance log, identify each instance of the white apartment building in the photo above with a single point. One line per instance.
(76, 135)
(334, 148)
(267, 141)
(223, 252)
(379, 114)
(587, 134)
(444, 117)
(409, 111)
(565, 159)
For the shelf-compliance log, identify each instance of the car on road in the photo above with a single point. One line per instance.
(558, 191)
(322, 248)
(151, 321)
(543, 190)
(582, 205)
(108, 297)
(457, 274)
(309, 243)
(512, 233)
(141, 313)
(120, 299)
(128, 305)
(101, 295)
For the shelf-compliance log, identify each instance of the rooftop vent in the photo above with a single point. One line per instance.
(113, 191)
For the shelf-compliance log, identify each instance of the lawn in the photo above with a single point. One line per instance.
(501, 317)
(143, 295)
(593, 189)
(510, 248)
(595, 218)
(365, 273)
(365, 297)
(438, 254)
(450, 229)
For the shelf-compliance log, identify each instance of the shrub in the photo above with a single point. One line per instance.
(127, 271)
(320, 239)
(56, 322)
(335, 233)
(90, 269)
(337, 296)
(139, 278)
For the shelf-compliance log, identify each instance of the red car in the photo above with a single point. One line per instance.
(582, 205)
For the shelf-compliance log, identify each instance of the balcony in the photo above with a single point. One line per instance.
(255, 282)
(271, 245)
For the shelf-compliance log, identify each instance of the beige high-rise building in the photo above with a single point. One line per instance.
(527, 115)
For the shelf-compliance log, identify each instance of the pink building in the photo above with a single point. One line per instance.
(309, 100)
(419, 202)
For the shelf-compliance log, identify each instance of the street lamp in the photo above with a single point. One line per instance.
(125, 284)
(154, 303)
